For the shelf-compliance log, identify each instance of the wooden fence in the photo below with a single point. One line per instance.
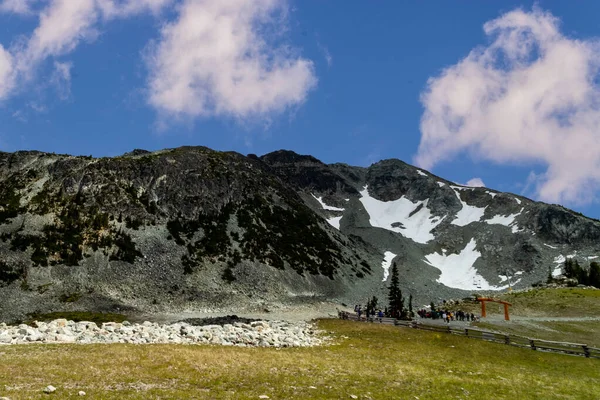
(474, 333)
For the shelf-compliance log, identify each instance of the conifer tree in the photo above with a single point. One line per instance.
(594, 275)
(395, 294)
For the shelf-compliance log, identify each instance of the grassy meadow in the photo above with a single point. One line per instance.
(529, 309)
(368, 361)
(560, 302)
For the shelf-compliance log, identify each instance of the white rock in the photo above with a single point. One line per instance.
(65, 338)
(81, 393)
(262, 334)
(5, 338)
(263, 396)
(49, 389)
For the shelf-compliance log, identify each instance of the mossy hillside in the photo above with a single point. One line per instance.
(84, 220)
(75, 233)
(271, 234)
(11, 271)
(277, 235)
(9, 204)
(73, 209)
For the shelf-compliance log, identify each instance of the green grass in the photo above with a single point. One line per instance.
(583, 332)
(367, 360)
(561, 302)
(540, 303)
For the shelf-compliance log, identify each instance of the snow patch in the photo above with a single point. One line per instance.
(325, 206)
(492, 194)
(517, 200)
(335, 222)
(592, 257)
(388, 256)
(552, 247)
(401, 213)
(467, 213)
(461, 188)
(441, 184)
(421, 173)
(515, 229)
(557, 271)
(506, 220)
(457, 270)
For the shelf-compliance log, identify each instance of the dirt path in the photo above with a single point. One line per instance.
(542, 319)
(292, 314)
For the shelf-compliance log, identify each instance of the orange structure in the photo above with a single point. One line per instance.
(484, 299)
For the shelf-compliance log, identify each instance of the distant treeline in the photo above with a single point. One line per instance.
(589, 277)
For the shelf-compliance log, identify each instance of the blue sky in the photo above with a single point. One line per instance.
(345, 81)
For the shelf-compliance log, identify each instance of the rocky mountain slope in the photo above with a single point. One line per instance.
(194, 229)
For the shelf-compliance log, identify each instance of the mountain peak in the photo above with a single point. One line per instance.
(194, 228)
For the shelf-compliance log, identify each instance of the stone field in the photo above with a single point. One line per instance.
(253, 334)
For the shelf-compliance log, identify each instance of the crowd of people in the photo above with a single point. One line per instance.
(447, 315)
(370, 312)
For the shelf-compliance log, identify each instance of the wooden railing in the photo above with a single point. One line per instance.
(474, 333)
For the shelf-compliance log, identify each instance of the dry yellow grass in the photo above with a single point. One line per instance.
(368, 361)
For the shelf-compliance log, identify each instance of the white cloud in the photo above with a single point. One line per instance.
(215, 60)
(63, 25)
(475, 182)
(530, 96)
(6, 72)
(326, 53)
(126, 8)
(61, 79)
(328, 56)
(16, 6)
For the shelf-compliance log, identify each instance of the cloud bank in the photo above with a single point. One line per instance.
(531, 96)
(16, 6)
(214, 59)
(63, 25)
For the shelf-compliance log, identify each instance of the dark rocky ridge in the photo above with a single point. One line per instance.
(196, 229)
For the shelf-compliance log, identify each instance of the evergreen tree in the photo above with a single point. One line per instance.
(371, 306)
(568, 268)
(594, 275)
(395, 294)
(574, 271)
(374, 302)
(582, 274)
(550, 278)
(410, 307)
